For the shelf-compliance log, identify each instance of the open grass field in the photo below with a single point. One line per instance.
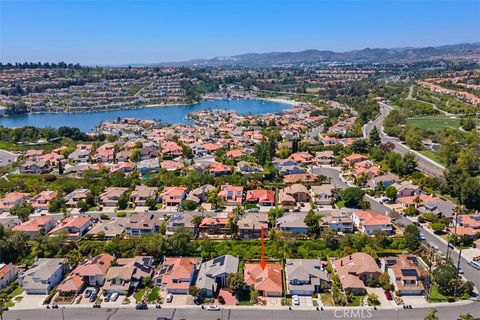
(433, 155)
(435, 123)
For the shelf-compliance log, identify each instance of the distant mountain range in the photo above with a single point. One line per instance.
(468, 51)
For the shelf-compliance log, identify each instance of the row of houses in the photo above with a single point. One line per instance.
(177, 274)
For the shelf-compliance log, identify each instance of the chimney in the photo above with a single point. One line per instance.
(350, 257)
(341, 263)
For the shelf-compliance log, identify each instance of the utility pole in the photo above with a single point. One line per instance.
(457, 210)
(458, 267)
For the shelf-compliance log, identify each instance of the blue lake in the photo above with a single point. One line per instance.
(86, 121)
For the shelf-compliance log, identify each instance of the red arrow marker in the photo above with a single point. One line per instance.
(263, 264)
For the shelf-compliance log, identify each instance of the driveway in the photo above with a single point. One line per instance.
(381, 297)
(305, 301)
(274, 302)
(30, 301)
(415, 301)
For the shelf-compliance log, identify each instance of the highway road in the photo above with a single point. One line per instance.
(424, 164)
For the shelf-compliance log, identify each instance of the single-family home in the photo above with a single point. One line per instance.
(72, 199)
(406, 275)
(111, 195)
(368, 222)
(141, 193)
(36, 227)
(41, 200)
(142, 223)
(43, 276)
(177, 274)
(91, 273)
(290, 195)
(7, 274)
(355, 270)
(12, 199)
(293, 222)
(325, 157)
(128, 274)
(322, 194)
(250, 224)
(305, 277)
(200, 194)
(261, 197)
(172, 196)
(74, 227)
(231, 195)
(213, 274)
(267, 282)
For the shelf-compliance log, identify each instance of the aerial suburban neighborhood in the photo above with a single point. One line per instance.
(289, 184)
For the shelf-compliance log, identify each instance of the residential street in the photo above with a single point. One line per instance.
(446, 312)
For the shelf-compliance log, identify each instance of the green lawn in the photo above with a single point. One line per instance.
(326, 299)
(153, 295)
(436, 296)
(16, 292)
(356, 302)
(435, 123)
(433, 155)
(138, 296)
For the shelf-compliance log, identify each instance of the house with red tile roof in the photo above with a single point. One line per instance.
(74, 227)
(41, 200)
(36, 227)
(12, 199)
(7, 274)
(353, 158)
(302, 157)
(263, 197)
(407, 276)
(211, 147)
(234, 154)
(177, 274)
(216, 225)
(125, 167)
(415, 200)
(468, 224)
(172, 196)
(368, 222)
(219, 169)
(299, 178)
(355, 270)
(90, 273)
(171, 148)
(231, 195)
(267, 282)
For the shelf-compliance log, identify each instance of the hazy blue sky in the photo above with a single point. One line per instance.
(115, 32)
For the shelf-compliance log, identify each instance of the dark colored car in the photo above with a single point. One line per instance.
(388, 294)
(87, 293)
(141, 306)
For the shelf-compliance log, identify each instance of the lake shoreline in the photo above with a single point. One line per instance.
(171, 114)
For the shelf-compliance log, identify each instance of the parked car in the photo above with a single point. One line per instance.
(213, 307)
(87, 293)
(114, 296)
(107, 297)
(141, 306)
(295, 300)
(93, 296)
(169, 297)
(460, 271)
(422, 237)
(388, 294)
(417, 224)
